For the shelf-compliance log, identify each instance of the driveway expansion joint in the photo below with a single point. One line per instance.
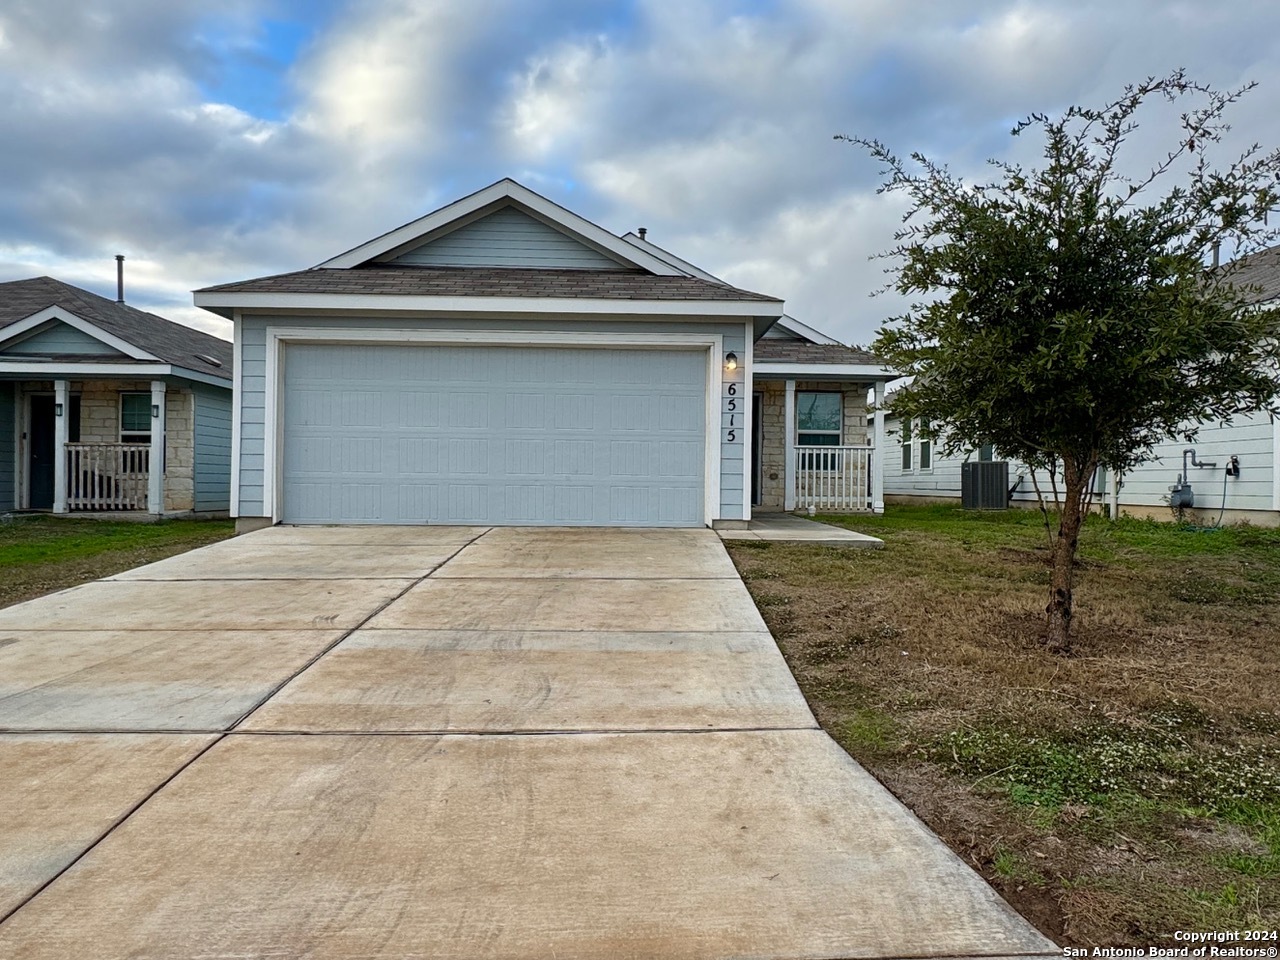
(329, 647)
(22, 902)
(475, 732)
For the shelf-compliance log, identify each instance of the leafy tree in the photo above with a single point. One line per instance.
(1068, 314)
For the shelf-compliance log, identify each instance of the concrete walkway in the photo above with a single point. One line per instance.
(790, 529)
(446, 742)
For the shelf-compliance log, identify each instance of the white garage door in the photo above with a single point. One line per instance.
(488, 434)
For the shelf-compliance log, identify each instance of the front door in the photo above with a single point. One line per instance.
(41, 451)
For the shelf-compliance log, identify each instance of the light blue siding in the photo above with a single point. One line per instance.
(1251, 438)
(507, 238)
(212, 463)
(8, 445)
(733, 451)
(253, 405)
(493, 435)
(59, 338)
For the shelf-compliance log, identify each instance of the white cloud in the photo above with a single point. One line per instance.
(709, 121)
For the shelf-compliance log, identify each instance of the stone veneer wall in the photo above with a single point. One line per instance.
(854, 431)
(100, 423)
(179, 450)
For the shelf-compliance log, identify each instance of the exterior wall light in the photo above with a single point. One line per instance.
(57, 409)
(731, 361)
(155, 411)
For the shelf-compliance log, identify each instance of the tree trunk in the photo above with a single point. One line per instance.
(1062, 558)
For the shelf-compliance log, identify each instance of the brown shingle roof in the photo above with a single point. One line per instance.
(490, 282)
(800, 351)
(171, 342)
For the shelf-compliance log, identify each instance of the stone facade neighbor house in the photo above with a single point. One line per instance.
(505, 361)
(108, 409)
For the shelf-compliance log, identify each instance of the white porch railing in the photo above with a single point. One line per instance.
(107, 476)
(837, 479)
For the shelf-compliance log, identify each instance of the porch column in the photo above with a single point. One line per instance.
(155, 458)
(878, 455)
(789, 448)
(62, 417)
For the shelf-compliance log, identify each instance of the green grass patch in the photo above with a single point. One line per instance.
(48, 540)
(869, 732)
(40, 554)
(1103, 759)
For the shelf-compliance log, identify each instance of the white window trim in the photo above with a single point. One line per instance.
(838, 434)
(278, 337)
(914, 443)
(120, 430)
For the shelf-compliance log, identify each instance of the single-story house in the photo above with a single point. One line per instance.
(505, 361)
(108, 409)
(1235, 473)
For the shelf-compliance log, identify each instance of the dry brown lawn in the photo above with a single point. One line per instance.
(1114, 796)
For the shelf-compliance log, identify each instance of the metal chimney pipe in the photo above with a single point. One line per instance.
(119, 278)
(642, 231)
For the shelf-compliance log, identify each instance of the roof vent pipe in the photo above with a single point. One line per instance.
(119, 278)
(642, 231)
(1217, 253)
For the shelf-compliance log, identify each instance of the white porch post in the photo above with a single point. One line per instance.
(62, 411)
(789, 454)
(878, 455)
(155, 458)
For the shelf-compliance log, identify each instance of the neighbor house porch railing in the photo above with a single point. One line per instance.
(107, 476)
(834, 478)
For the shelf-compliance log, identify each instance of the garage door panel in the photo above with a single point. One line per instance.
(417, 409)
(680, 459)
(574, 458)
(415, 434)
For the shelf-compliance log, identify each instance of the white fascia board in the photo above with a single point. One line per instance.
(817, 371)
(27, 324)
(347, 303)
(502, 190)
(684, 266)
(788, 322)
(46, 370)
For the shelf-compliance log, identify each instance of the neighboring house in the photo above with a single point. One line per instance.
(919, 474)
(504, 361)
(105, 408)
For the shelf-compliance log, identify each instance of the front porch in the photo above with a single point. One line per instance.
(814, 445)
(101, 446)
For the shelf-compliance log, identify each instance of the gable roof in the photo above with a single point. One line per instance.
(490, 282)
(475, 206)
(162, 339)
(684, 266)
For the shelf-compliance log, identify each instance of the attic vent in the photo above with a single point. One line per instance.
(212, 361)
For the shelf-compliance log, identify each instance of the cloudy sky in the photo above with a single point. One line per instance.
(216, 141)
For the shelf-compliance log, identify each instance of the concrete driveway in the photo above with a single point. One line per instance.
(339, 742)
